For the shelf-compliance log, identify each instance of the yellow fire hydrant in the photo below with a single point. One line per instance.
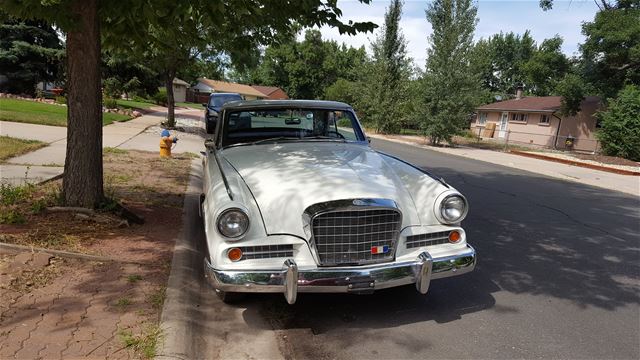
(166, 143)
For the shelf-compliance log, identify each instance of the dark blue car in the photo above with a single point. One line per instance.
(216, 100)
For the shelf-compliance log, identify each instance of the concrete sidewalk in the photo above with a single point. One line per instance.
(624, 183)
(48, 162)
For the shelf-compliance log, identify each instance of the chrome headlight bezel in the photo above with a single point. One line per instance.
(224, 213)
(440, 207)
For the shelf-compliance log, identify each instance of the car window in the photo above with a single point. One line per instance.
(219, 100)
(290, 124)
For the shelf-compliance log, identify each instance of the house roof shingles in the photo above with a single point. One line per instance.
(267, 90)
(177, 81)
(532, 103)
(223, 86)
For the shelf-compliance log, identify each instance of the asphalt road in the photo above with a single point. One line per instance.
(558, 277)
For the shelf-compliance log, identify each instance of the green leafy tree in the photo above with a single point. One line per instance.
(304, 69)
(387, 77)
(234, 27)
(450, 89)
(30, 52)
(500, 61)
(573, 90)
(343, 90)
(134, 76)
(546, 67)
(620, 124)
(611, 51)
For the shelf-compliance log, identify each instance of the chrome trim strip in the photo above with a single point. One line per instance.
(224, 178)
(363, 279)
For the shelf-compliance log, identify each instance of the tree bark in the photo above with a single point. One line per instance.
(82, 183)
(171, 111)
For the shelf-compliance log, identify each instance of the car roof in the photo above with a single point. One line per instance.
(303, 104)
(222, 94)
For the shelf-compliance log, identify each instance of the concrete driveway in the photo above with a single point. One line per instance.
(558, 277)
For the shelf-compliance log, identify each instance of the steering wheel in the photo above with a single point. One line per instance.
(335, 132)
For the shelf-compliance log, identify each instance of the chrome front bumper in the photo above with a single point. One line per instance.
(290, 280)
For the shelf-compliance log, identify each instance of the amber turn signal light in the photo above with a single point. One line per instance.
(454, 236)
(234, 254)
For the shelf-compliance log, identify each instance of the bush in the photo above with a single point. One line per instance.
(142, 99)
(61, 100)
(160, 97)
(620, 132)
(112, 87)
(110, 103)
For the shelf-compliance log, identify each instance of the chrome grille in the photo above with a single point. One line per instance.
(346, 237)
(266, 252)
(421, 240)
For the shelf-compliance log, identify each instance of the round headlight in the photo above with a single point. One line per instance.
(453, 209)
(233, 223)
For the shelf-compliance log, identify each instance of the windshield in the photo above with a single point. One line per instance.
(217, 101)
(287, 124)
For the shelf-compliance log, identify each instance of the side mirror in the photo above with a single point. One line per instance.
(204, 105)
(210, 144)
(369, 139)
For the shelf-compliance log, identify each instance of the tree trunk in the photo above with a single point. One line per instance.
(82, 183)
(171, 111)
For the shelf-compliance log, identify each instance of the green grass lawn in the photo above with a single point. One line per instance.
(131, 104)
(10, 147)
(190, 105)
(43, 114)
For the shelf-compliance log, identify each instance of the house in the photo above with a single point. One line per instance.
(209, 86)
(180, 90)
(271, 92)
(534, 120)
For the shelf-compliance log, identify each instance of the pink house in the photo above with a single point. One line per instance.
(534, 120)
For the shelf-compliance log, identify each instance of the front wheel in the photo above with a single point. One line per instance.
(230, 297)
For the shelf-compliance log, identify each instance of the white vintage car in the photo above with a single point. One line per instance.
(295, 200)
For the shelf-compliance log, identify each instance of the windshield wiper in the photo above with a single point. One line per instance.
(278, 138)
(321, 137)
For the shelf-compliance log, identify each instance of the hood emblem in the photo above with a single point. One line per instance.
(358, 202)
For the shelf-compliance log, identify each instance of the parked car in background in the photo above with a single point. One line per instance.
(301, 203)
(213, 106)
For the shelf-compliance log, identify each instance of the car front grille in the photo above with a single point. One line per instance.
(266, 252)
(356, 237)
(421, 240)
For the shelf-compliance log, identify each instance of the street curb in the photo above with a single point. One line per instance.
(12, 248)
(575, 163)
(514, 152)
(177, 333)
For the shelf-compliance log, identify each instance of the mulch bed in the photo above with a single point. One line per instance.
(72, 308)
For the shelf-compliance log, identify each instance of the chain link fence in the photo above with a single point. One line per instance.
(538, 140)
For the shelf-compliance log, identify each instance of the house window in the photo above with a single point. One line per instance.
(519, 117)
(544, 119)
(482, 118)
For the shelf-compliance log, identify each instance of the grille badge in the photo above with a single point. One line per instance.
(380, 249)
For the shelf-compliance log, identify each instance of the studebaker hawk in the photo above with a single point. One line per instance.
(299, 202)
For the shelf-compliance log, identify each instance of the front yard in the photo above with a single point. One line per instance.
(55, 305)
(32, 112)
(10, 147)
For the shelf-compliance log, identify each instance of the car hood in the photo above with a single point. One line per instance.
(286, 178)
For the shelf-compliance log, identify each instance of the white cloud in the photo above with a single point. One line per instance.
(494, 16)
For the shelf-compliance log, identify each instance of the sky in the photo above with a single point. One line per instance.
(564, 19)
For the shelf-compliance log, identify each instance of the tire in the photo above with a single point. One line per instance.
(230, 297)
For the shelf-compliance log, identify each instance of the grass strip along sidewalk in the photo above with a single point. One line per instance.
(32, 112)
(11, 147)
